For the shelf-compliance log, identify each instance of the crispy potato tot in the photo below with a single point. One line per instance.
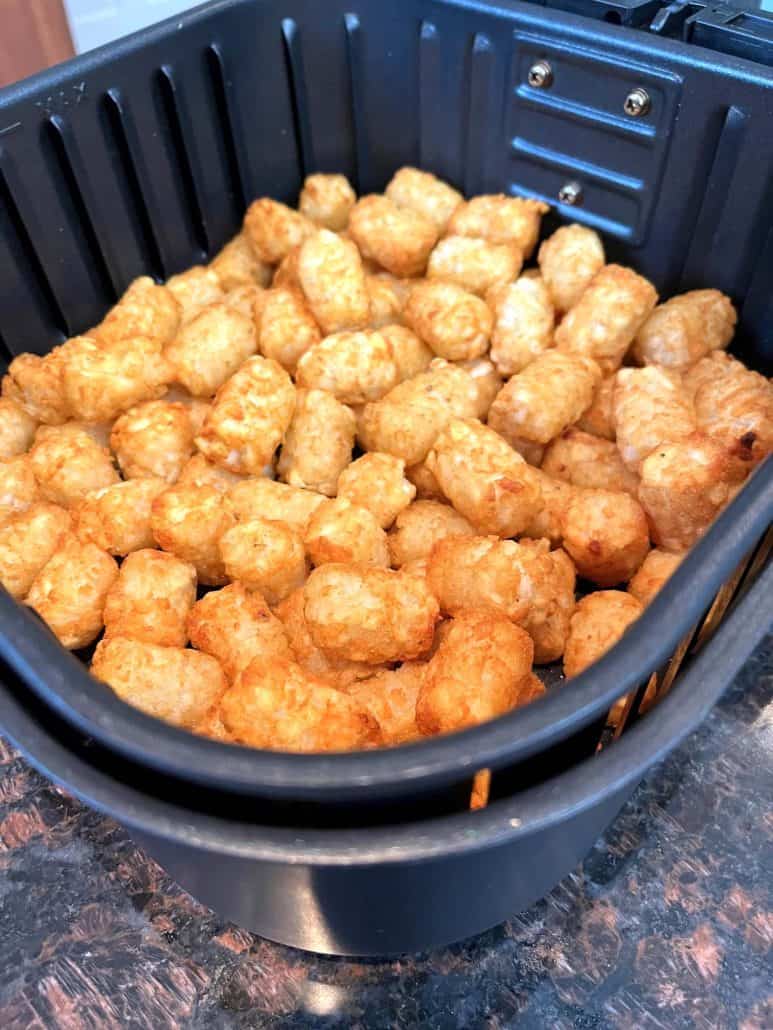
(236, 265)
(427, 487)
(476, 674)
(287, 327)
(425, 193)
(198, 471)
(212, 727)
(736, 410)
(714, 366)
(68, 464)
(17, 429)
(417, 567)
(151, 599)
(188, 521)
(599, 418)
(195, 289)
(606, 535)
(327, 200)
(407, 421)
(473, 263)
(568, 262)
(683, 488)
(286, 274)
(385, 299)
(500, 219)
(101, 381)
(399, 239)
(273, 229)
(236, 625)
(524, 323)
(390, 697)
(70, 590)
(36, 385)
(264, 555)
(249, 418)
(586, 460)
(377, 483)
(599, 621)
(210, 347)
(18, 486)
(29, 540)
(608, 315)
(548, 396)
(484, 478)
(479, 572)
(410, 354)
(487, 383)
(651, 408)
(153, 439)
(356, 367)
(318, 445)
(170, 683)
(547, 523)
(332, 278)
(247, 300)
(340, 531)
(117, 518)
(454, 323)
(420, 526)
(652, 574)
(263, 498)
(551, 578)
(197, 408)
(366, 614)
(278, 705)
(686, 328)
(146, 310)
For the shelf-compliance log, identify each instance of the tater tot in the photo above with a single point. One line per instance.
(420, 526)
(197, 471)
(153, 439)
(454, 323)
(736, 410)
(599, 621)
(484, 478)
(366, 614)
(713, 366)
(606, 318)
(247, 300)
(568, 261)
(331, 276)
(474, 264)
(28, 540)
(286, 274)
(599, 418)
(264, 555)
(406, 422)
(236, 265)
(236, 625)
(273, 229)
(145, 310)
(249, 417)
(17, 429)
(101, 381)
(654, 571)
(386, 301)
(170, 683)
(427, 487)
(684, 486)
(478, 572)
(188, 521)
(327, 200)
(70, 590)
(36, 385)
(68, 464)
(287, 327)
(340, 531)
(650, 407)
(524, 323)
(410, 354)
(390, 697)
(549, 576)
(151, 599)
(264, 498)
(278, 705)
(487, 382)
(356, 367)
(545, 398)
(318, 445)
(476, 674)
(685, 329)
(210, 347)
(586, 460)
(194, 290)
(18, 486)
(117, 518)
(425, 193)
(399, 239)
(606, 535)
(377, 482)
(500, 219)
(546, 524)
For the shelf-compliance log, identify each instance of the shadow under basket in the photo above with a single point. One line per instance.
(140, 158)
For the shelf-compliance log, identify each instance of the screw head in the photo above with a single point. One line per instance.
(570, 193)
(540, 75)
(637, 103)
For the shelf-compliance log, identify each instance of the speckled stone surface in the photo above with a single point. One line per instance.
(667, 924)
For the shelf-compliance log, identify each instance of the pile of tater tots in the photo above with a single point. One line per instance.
(337, 489)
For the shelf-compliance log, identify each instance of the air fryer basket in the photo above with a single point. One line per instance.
(141, 157)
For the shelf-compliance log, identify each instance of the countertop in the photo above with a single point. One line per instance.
(667, 924)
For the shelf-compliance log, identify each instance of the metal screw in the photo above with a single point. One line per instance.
(540, 75)
(637, 103)
(570, 193)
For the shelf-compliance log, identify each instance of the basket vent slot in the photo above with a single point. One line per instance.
(357, 87)
(223, 105)
(297, 82)
(479, 113)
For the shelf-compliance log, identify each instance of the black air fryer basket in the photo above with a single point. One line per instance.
(141, 158)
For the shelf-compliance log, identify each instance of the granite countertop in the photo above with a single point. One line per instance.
(667, 924)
